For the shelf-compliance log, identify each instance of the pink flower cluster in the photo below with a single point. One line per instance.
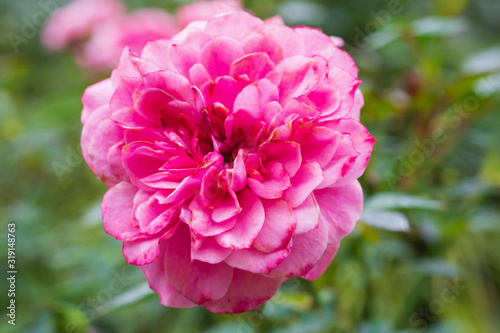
(232, 153)
(96, 31)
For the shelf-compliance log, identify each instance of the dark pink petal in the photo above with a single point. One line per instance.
(255, 65)
(304, 182)
(141, 252)
(150, 104)
(246, 292)
(300, 75)
(116, 210)
(155, 274)
(278, 227)
(362, 142)
(254, 98)
(198, 281)
(172, 83)
(275, 181)
(255, 261)
(307, 215)
(218, 55)
(248, 222)
(286, 153)
(342, 162)
(224, 90)
(340, 208)
(201, 221)
(141, 159)
(319, 144)
(212, 191)
(210, 251)
(128, 118)
(325, 98)
(198, 75)
(153, 217)
(307, 249)
(239, 174)
(183, 57)
(228, 207)
(323, 262)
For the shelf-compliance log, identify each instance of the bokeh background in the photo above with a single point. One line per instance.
(425, 257)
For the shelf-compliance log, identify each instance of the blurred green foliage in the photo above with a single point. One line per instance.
(431, 81)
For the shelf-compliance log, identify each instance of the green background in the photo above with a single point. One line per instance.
(431, 80)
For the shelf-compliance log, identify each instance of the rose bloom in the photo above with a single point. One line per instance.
(134, 30)
(204, 10)
(75, 22)
(232, 154)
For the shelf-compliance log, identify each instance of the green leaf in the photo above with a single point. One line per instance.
(392, 201)
(393, 221)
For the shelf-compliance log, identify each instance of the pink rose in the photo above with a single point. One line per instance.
(204, 10)
(76, 21)
(134, 30)
(232, 154)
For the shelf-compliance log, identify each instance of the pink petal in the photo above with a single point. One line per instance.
(224, 90)
(278, 227)
(218, 55)
(255, 65)
(346, 85)
(239, 174)
(323, 262)
(317, 43)
(153, 217)
(228, 207)
(104, 137)
(304, 182)
(246, 292)
(210, 252)
(248, 223)
(116, 210)
(255, 261)
(340, 209)
(289, 41)
(307, 249)
(172, 83)
(276, 180)
(300, 75)
(140, 160)
(286, 153)
(359, 102)
(141, 252)
(233, 26)
(155, 274)
(307, 215)
(201, 220)
(150, 103)
(362, 142)
(198, 281)
(95, 96)
(319, 145)
(342, 162)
